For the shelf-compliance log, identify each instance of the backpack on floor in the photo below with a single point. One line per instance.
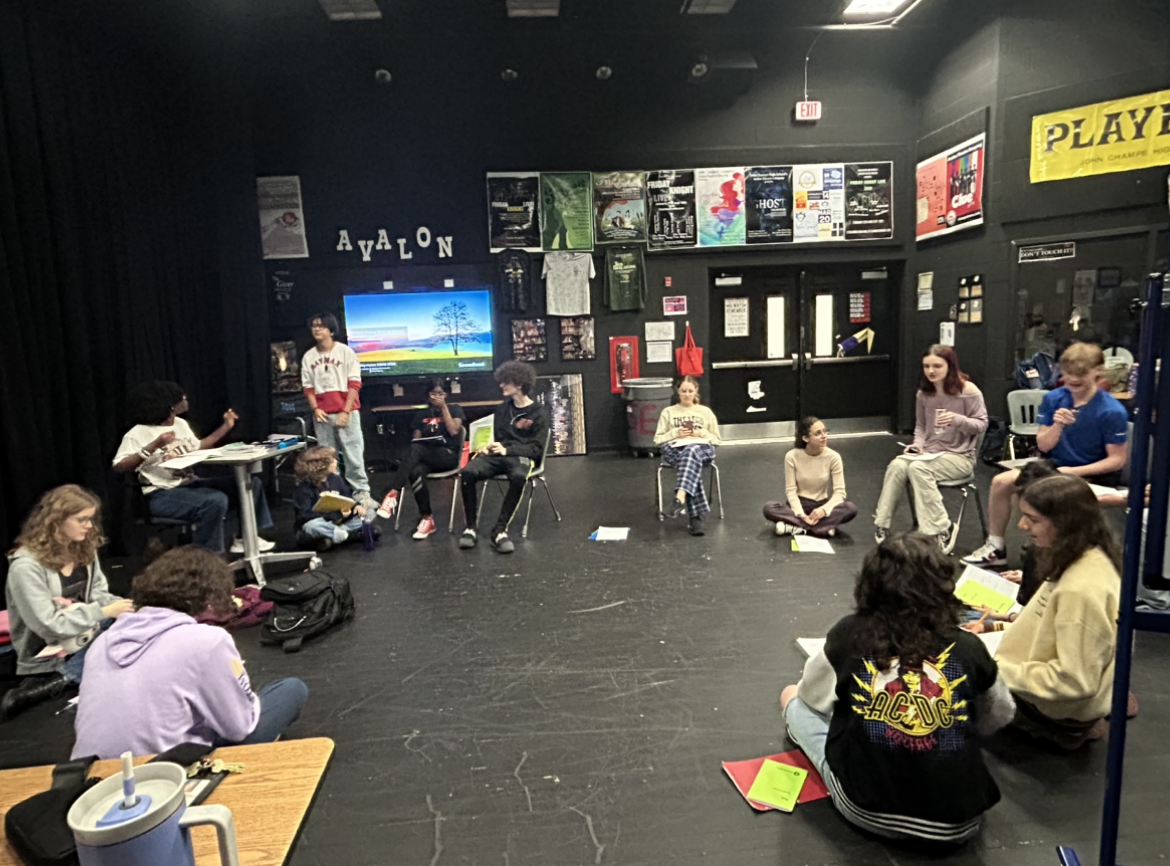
(306, 605)
(994, 441)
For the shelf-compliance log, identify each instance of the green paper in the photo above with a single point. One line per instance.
(778, 785)
(977, 595)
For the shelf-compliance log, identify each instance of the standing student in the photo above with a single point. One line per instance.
(893, 710)
(331, 378)
(1057, 656)
(814, 484)
(56, 594)
(520, 428)
(159, 434)
(1082, 430)
(688, 433)
(950, 416)
(434, 447)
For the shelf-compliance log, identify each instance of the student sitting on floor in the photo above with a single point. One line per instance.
(892, 711)
(1082, 431)
(57, 595)
(950, 416)
(317, 473)
(1057, 656)
(688, 433)
(158, 678)
(814, 483)
(520, 427)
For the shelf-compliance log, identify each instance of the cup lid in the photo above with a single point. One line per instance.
(162, 782)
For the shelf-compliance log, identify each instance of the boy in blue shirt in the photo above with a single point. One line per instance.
(1082, 430)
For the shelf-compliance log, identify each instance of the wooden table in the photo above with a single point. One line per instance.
(269, 800)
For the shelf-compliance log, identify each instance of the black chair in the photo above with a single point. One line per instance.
(140, 510)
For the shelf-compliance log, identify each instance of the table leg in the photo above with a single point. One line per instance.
(244, 481)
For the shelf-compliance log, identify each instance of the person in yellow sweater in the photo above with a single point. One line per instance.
(814, 485)
(688, 434)
(1057, 655)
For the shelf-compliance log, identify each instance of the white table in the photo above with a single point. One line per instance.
(245, 468)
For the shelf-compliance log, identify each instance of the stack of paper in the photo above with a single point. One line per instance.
(777, 781)
(979, 587)
(610, 533)
(809, 544)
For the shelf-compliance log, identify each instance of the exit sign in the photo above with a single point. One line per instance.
(808, 111)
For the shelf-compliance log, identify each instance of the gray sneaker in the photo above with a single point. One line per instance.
(503, 544)
(468, 539)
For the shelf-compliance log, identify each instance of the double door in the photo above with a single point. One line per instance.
(791, 342)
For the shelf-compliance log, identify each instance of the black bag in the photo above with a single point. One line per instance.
(37, 827)
(306, 605)
(994, 441)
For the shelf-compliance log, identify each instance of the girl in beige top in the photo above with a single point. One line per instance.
(814, 483)
(688, 434)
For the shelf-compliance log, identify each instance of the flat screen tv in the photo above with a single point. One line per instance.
(421, 333)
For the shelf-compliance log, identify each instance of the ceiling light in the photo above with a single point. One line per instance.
(604, 73)
(706, 7)
(351, 10)
(869, 8)
(534, 8)
(509, 75)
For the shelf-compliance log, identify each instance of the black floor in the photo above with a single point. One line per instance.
(571, 703)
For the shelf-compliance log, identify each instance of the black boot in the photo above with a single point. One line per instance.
(33, 690)
(696, 526)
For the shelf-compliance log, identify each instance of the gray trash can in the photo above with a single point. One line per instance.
(645, 400)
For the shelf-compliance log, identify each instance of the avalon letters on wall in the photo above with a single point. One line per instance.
(1121, 135)
(401, 247)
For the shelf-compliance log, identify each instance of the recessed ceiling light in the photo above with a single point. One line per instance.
(351, 10)
(866, 8)
(509, 75)
(706, 7)
(604, 73)
(534, 8)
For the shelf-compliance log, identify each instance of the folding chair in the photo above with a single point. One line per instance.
(536, 473)
(714, 484)
(453, 474)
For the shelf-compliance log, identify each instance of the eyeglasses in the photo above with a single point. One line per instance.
(85, 521)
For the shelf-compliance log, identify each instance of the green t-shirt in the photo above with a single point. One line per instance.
(625, 278)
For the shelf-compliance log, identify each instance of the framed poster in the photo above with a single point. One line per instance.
(528, 340)
(514, 211)
(577, 339)
(565, 398)
(768, 194)
(282, 218)
(619, 202)
(719, 206)
(286, 368)
(670, 201)
(623, 361)
(950, 189)
(566, 211)
(818, 202)
(869, 212)
(674, 305)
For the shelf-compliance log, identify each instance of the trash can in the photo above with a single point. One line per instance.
(645, 400)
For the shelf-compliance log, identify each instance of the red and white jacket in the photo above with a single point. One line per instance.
(329, 376)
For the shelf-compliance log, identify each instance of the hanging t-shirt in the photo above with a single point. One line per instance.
(515, 271)
(567, 283)
(155, 477)
(429, 422)
(625, 278)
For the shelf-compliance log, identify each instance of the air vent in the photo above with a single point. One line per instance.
(351, 10)
(534, 8)
(706, 7)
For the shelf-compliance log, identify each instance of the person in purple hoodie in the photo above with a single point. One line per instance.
(157, 678)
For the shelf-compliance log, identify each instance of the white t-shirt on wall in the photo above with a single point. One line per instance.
(154, 477)
(567, 278)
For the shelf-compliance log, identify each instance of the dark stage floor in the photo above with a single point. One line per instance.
(571, 703)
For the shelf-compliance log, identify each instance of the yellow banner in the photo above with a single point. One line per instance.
(1122, 135)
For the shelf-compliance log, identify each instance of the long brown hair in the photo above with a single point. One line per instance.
(906, 605)
(1076, 517)
(956, 378)
(41, 533)
(313, 465)
(694, 382)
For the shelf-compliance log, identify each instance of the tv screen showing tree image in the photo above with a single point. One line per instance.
(421, 333)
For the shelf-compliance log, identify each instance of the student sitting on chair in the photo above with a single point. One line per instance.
(814, 483)
(1057, 654)
(520, 428)
(157, 678)
(893, 710)
(433, 448)
(317, 474)
(57, 595)
(950, 416)
(688, 433)
(159, 434)
(1082, 430)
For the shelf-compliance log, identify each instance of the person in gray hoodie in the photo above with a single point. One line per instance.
(157, 678)
(57, 595)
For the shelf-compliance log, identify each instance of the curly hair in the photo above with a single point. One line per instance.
(151, 402)
(517, 373)
(313, 465)
(41, 533)
(955, 379)
(906, 607)
(1076, 517)
(187, 579)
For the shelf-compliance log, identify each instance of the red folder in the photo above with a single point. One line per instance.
(743, 775)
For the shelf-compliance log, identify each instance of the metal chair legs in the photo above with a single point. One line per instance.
(716, 484)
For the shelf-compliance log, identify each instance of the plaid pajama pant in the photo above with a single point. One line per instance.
(689, 460)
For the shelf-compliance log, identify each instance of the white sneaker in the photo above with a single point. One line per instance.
(263, 544)
(985, 557)
(880, 534)
(788, 529)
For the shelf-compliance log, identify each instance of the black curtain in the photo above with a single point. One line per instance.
(129, 237)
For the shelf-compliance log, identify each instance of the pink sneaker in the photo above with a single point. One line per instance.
(426, 527)
(386, 509)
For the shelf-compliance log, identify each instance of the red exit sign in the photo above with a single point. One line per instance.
(808, 111)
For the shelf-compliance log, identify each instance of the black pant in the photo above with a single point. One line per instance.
(489, 466)
(422, 460)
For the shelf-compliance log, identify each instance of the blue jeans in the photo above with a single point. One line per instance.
(281, 702)
(319, 527)
(73, 666)
(351, 445)
(204, 502)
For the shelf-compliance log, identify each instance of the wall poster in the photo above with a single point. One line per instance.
(577, 339)
(528, 340)
(719, 204)
(565, 398)
(869, 214)
(623, 361)
(818, 202)
(286, 368)
(282, 218)
(768, 191)
(735, 317)
(619, 202)
(514, 211)
(566, 210)
(670, 199)
(950, 189)
(674, 305)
